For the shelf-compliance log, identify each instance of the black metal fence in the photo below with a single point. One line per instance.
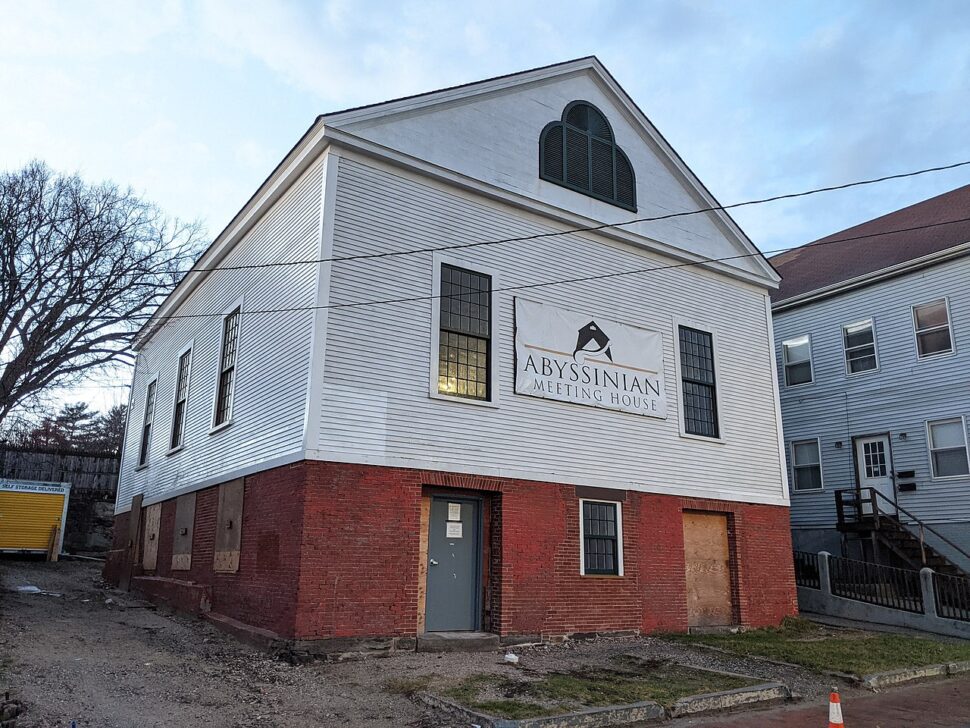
(952, 596)
(885, 586)
(806, 569)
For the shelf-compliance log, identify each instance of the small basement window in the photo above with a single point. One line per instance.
(948, 447)
(797, 357)
(932, 324)
(859, 341)
(602, 538)
(806, 465)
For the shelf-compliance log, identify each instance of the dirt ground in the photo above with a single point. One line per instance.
(86, 652)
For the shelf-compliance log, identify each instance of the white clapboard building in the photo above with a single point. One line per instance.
(480, 359)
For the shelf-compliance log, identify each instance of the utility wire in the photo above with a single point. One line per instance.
(591, 228)
(542, 284)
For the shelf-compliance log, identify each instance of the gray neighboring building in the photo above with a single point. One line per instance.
(872, 336)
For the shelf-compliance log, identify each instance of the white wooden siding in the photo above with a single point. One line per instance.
(897, 398)
(495, 138)
(374, 404)
(272, 364)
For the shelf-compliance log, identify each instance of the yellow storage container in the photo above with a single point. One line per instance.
(29, 513)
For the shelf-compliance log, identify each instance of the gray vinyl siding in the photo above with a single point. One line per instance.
(899, 398)
(375, 405)
(272, 363)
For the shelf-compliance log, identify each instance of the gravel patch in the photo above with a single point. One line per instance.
(105, 659)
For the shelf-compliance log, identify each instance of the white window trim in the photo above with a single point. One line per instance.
(190, 347)
(619, 536)
(949, 326)
(811, 362)
(715, 342)
(821, 470)
(845, 352)
(214, 428)
(437, 259)
(139, 465)
(930, 448)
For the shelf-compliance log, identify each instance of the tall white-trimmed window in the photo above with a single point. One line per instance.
(948, 447)
(227, 368)
(859, 343)
(806, 465)
(797, 358)
(464, 334)
(698, 382)
(181, 400)
(601, 537)
(145, 445)
(931, 321)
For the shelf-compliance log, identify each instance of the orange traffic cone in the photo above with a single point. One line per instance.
(835, 710)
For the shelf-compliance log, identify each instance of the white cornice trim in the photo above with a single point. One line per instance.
(868, 279)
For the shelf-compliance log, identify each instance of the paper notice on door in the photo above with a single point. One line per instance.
(454, 511)
(453, 529)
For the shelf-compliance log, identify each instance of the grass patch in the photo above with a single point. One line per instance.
(408, 686)
(627, 681)
(818, 647)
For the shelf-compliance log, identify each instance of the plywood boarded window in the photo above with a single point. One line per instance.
(182, 538)
(229, 527)
(153, 520)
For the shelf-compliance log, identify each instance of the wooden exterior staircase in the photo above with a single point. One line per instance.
(888, 530)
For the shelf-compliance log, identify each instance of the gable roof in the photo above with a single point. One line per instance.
(887, 242)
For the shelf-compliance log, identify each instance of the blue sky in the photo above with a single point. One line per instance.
(193, 104)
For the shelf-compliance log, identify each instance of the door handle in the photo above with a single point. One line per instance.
(432, 562)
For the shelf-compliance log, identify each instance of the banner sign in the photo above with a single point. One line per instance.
(595, 361)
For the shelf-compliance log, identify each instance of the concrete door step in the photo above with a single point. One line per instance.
(458, 642)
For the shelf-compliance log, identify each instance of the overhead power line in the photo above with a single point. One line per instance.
(590, 228)
(542, 284)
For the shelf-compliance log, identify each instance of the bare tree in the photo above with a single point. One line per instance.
(80, 266)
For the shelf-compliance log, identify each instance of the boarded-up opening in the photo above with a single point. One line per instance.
(229, 527)
(153, 522)
(131, 547)
(707, 557)
(182, 538)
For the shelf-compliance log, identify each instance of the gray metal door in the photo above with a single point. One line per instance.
(454, 556)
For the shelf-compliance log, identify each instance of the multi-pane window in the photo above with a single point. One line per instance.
(601, 545)
(698, 382)
(932, 324)
(227, 368)
(806, 465)
(948, 447)
(181, 399)
(465, 332)
(146, 428)
(859, 341)
(797, 357)
(874, 459)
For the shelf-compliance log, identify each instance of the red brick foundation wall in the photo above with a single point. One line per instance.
(331, 550)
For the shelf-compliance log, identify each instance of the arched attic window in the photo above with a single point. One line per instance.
(579, 152)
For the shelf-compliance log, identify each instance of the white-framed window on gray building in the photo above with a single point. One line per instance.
(931, 322)
(225, 389)
(948, 447)
(464, 334)
(806, 462)
(859, 343)
(148, 420)
(698, 382)
(601, 538)
(797, 357)
(181, 400)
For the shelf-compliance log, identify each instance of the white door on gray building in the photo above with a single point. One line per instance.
(874, 463)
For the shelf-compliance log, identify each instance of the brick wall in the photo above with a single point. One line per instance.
(331, 550)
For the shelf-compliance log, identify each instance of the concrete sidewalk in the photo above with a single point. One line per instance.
(940, 704)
